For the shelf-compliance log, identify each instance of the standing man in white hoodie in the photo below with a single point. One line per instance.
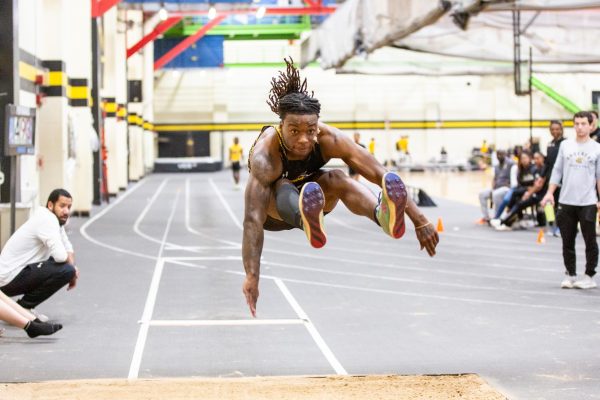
(38, 258)
(577, 167)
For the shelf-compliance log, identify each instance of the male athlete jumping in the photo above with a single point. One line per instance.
(288, 189)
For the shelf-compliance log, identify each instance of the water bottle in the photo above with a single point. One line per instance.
(549, 211)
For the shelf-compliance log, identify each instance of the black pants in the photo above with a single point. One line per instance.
(37, 282)
(517, 210)
(567, 219)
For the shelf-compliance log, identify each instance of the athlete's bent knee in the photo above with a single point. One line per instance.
(286, 200)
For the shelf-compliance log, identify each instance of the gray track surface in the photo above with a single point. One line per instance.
(488, 303)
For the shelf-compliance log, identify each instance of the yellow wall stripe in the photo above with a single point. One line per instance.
(380, 125)
(77, 92)
(133, 119)
(27, 71)
(57, 78)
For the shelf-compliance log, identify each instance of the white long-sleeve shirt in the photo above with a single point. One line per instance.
(38, 239)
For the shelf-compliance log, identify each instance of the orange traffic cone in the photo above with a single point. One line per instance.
(540, 238)
(440, 226)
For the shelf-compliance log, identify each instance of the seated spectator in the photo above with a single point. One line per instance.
(16, 315)
(503, 180)
(525, 178)
(38, 258)
(532, 188)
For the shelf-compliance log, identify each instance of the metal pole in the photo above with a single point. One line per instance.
(13, 193)
(97, 178)
(530, 100)
(9, 79)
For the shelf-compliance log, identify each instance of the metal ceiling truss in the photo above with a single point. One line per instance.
(315, 8)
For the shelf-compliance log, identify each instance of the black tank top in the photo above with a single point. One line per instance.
(296, 171)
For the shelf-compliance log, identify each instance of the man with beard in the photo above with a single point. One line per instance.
(38, 258)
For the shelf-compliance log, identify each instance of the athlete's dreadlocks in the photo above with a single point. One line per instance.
(288, 94)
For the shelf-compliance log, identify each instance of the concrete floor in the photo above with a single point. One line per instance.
(167, 252)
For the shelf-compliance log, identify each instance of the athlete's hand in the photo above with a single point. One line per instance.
(428, 238)
(251, 292)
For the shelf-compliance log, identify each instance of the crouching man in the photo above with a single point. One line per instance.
(38, 258)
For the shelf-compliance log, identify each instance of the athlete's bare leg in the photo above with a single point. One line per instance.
(356, 197)
(337, 186)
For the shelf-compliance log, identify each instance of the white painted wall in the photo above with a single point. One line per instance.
(79, 65)
(239, 95)
(28, 41)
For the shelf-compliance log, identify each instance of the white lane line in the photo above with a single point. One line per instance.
(445, 257)
(188, 225)
(227, 322)
(235, 220)
(168, 245)
(185, 264)
(333, 361)
(199, 248)
(419, 281)
(396, 267)
(225, 258)
(134, 368)
(487, 250)
(439, 259)
(335, 364)
(84, 227)
(338, 260)
(138, 221)
(430, 296)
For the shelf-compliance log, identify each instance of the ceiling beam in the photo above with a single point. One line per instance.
(99, 7)
(318, 10)
(158, 30)
(187, 42)
(247, 31)
(315, 8)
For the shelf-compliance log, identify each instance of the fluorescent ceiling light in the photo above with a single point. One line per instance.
(212, 12)
(163, 14)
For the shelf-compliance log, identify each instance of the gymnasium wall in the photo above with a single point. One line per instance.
(443, 109)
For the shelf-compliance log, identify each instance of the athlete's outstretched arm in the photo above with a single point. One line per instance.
(257, 196)
(337, 145)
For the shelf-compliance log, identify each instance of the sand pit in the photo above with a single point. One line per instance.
(395, 387)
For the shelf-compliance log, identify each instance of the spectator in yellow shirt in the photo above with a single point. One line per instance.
(236, 155)
(484, 148)
(372, 146)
